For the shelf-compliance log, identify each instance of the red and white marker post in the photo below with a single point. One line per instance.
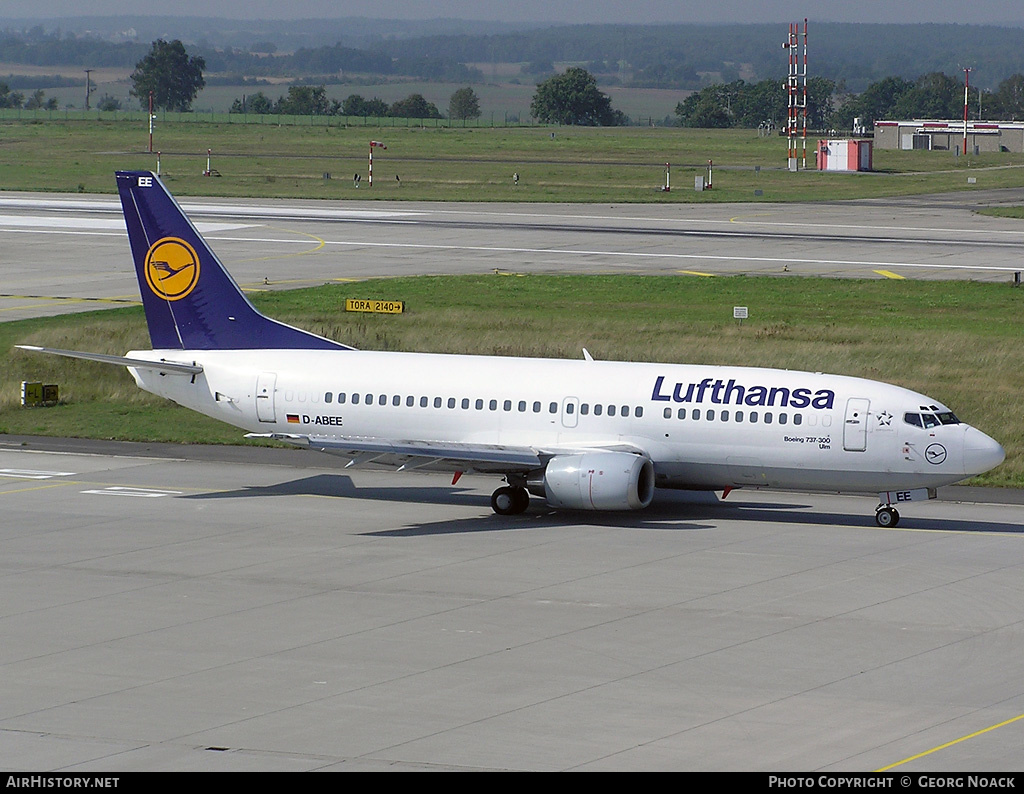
(374, 145)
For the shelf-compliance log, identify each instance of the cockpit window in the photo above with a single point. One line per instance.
(930, 420)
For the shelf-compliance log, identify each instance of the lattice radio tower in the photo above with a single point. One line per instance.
(796, 85)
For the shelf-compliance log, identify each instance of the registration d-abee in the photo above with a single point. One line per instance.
(583, 434)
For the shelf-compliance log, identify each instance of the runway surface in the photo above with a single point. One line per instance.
(202, 609)
(62, 253)
(198, 608)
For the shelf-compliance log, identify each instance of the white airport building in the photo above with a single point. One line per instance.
(982, 136)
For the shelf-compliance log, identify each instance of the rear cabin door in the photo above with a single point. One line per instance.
(855, 428)
(266, 385)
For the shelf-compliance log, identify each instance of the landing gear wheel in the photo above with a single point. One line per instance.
(887, 517)
(522, 499)
(510, 501)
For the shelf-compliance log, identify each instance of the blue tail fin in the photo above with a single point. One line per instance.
(191, 301)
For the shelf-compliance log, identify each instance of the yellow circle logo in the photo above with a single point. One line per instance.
(172, 268)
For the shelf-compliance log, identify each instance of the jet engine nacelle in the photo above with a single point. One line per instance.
(599, 481)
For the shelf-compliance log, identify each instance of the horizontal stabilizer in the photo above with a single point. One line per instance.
(138, 363)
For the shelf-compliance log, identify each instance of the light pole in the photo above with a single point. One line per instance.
(88, 87)
(967, 73)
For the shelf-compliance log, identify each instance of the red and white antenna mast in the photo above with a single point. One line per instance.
(796, 87)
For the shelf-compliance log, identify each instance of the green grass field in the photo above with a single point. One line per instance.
(959, 342)
(439, 163)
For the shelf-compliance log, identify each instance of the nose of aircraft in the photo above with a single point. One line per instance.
(981, 452)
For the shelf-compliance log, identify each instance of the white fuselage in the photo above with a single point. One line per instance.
(702, 426)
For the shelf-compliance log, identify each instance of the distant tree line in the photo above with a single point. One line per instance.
(741, 104)
(313, 101)
(931, 96)
(568, 98)
(15, 99)
(56, 50)
(686, 55)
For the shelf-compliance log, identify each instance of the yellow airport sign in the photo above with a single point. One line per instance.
(376, 306)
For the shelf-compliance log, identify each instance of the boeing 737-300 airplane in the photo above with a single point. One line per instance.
(585, 434)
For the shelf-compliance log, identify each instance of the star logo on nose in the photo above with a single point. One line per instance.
(885, 418)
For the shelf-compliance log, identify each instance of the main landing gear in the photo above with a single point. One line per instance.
(886, 516)
(510, 500)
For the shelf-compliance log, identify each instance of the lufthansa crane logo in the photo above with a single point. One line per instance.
(935, 453)
(172, 268)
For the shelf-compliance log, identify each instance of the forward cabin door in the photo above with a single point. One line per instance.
(266, 385)
(855, 428)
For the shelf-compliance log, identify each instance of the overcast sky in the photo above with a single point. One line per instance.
(1006, 12)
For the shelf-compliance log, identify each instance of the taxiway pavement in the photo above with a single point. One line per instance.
(190, 608)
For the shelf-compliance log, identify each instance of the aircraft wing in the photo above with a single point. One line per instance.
(435, 455)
